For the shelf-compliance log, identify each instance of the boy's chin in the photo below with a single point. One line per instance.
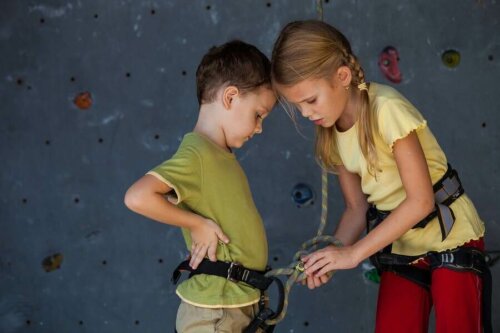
(239, 144)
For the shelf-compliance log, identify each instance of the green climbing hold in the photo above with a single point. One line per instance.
(373, 275)
(451, 58)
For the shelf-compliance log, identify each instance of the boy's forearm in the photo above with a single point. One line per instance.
(156, 207)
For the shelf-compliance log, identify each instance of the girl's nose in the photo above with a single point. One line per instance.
(306, 112)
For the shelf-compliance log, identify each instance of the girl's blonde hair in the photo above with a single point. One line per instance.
(314, 49)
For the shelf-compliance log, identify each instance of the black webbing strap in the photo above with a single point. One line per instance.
(420, 276)
(231, 271)
(486, 300)
(266, 313)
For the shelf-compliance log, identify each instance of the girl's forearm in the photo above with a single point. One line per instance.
(402, 219)
(351, 225)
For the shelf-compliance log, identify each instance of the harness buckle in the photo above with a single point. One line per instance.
(447, 258)
(234, 272)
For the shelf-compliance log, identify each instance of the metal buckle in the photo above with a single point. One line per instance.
(300, 266)
(232, 266)
(447, 258)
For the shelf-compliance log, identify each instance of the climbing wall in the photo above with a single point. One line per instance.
(94, 93)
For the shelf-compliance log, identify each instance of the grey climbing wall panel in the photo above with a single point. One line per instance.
(94, 93)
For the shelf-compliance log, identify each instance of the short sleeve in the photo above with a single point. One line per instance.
(398, 118)
(183, 173)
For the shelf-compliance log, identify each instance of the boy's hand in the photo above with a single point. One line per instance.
(315, 282)
(205, 237)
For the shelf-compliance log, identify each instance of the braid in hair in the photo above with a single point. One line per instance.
(368, 126)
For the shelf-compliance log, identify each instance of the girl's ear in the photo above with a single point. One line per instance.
(228, 96)
(344, 76)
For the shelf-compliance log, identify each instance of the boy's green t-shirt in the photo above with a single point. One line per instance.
(210, 182)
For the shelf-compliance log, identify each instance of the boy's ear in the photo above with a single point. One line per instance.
(343, 76)
(228, 96)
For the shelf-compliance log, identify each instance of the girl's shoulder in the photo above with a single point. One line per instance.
(381, 93)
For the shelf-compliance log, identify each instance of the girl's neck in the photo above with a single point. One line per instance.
(350, 114)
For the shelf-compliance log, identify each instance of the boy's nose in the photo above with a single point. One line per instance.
(258, 128)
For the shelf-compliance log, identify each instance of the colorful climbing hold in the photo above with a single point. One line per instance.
(53, 262)
(302, 195)
(372, 275)
(388, 64)
(451, 58)
(83, 100)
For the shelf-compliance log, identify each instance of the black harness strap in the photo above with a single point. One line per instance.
(420, 276)
(228, 270)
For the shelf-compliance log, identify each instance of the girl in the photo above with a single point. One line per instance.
(422, 227)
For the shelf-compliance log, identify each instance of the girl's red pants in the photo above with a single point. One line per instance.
(404, 306)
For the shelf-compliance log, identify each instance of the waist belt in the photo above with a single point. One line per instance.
(446, 191)
(229, 270)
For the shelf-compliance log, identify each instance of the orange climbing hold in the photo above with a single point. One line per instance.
(83, 100)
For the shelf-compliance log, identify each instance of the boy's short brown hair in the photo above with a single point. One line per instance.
(234, 63)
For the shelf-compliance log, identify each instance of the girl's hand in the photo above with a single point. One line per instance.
(328, 259)
(205, 237)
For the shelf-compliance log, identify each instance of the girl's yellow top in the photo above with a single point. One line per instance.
(397, 118)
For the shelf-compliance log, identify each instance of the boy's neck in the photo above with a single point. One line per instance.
(208, 125)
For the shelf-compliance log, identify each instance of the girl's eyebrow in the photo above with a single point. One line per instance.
(307, 98)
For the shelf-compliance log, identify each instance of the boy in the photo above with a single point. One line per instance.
(209, 196)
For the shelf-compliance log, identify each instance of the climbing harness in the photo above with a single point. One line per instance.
(446, 191)
(267, 318)
(469, 259)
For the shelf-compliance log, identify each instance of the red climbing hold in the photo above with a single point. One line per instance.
(83, 100)
(388, 63)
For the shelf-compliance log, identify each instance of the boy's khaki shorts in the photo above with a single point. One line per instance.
(193, 319)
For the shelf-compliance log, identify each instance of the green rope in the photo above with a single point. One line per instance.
(295, 271)
(319, 9)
